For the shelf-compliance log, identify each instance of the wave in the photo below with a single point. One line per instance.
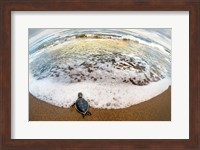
(101, 95)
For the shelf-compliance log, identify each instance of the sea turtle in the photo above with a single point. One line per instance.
(82, 105)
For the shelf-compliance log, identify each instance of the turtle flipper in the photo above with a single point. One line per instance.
(89, 113)
(83, 116)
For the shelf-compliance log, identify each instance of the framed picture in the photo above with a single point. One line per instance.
(91, 74)
(113, 70)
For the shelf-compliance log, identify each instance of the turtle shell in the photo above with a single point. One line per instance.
(82, 105)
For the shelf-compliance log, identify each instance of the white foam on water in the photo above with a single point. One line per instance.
(161, 48)
(99, 95)
(36, 54)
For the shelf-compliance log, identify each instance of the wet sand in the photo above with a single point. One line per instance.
(156, 109)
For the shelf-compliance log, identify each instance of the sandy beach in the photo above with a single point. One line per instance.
(156, 109)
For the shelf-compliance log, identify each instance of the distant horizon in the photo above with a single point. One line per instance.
(165, 31)
(37, 35)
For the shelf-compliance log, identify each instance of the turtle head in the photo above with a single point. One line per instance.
(80, 95)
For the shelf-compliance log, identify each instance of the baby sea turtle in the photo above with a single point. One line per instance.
(82, 105)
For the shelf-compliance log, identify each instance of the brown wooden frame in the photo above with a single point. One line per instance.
(193, 6)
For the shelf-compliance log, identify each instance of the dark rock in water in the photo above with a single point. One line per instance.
(125, 81)
(41, 77)
(54, 71)
(140, 83)
(132, 81)
(82, 64)
(138, 67)
(35, 75)
(88, 65)
(124, 64)
(42, 70)
(146, 81)
(151, 74)
(131, 59)
(113, 61)
(114, 99)
(139, 71)
(157, 78)
(90, 70)
(57, 67)
(70, 68)
(108, 104)
(142, 68)
(162, 76)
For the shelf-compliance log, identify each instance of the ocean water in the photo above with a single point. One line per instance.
(113, 68)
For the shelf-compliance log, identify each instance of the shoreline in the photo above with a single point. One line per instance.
(155, 109)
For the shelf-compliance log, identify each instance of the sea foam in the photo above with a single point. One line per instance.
(101, 95)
